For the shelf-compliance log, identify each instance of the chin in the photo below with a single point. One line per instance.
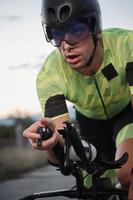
(76, 66)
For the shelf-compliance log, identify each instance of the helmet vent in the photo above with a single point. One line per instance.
(64, 13)
(51, 14)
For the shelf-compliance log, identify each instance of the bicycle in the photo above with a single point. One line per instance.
(86, 159)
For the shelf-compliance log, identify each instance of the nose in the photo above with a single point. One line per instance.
(67, 42)
(66, 46)
(66, 39)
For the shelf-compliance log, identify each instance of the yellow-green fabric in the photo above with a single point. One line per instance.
(56, 77)
(131, 89)
(125, 133)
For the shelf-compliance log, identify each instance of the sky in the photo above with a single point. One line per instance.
(23, 49)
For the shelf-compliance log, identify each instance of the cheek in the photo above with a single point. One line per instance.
(61, 51)
(87, 48)
(88, 45)
(86, 51)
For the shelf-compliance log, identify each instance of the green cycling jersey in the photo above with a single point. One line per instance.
(99, 96)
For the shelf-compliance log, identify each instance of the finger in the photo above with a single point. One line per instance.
(31, 135)
(31, 132)
(35, 126)
(51, 142)
(48, 122)
(32, 141)
(47, 144)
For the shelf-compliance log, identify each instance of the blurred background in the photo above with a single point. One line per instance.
(23, 49)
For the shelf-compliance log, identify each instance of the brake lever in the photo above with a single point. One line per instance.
(115, 164)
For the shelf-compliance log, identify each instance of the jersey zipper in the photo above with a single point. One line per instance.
(102, 101)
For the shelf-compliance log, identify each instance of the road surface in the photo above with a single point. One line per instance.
(43, 179)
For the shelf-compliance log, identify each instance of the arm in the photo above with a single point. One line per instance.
(59, 125)
(51, 88)
(129, 64)
(54, 124)
(56, 109)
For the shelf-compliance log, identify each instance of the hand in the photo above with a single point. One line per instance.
(31, 134)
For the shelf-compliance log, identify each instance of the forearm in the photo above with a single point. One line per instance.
(59, 125)
(51, 157)
(51, 152)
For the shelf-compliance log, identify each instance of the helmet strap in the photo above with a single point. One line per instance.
(95, 40)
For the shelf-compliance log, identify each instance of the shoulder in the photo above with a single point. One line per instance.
(118, 40)
(51, 59)
(119, 34)
(117, 31)
(50, 65)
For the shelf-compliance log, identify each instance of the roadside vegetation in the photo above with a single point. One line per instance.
(16, 155)
(16, 161)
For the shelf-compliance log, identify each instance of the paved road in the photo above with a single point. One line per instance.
(46, 178)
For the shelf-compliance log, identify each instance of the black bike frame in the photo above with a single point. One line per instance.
(96, 191)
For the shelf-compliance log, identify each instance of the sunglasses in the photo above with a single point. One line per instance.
(72, 33)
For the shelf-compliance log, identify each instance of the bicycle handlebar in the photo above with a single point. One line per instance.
(85, 155)
(91, 152)
(83, 152)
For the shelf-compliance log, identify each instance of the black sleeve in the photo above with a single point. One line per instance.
(55, 106)
(129, 71)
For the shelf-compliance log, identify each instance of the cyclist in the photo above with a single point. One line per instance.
(93, 69)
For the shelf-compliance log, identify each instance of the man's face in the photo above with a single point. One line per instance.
(78, 55)
(75, 43)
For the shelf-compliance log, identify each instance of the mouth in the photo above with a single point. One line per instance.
(72, 59)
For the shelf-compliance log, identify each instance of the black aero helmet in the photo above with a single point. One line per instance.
(56, 13)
